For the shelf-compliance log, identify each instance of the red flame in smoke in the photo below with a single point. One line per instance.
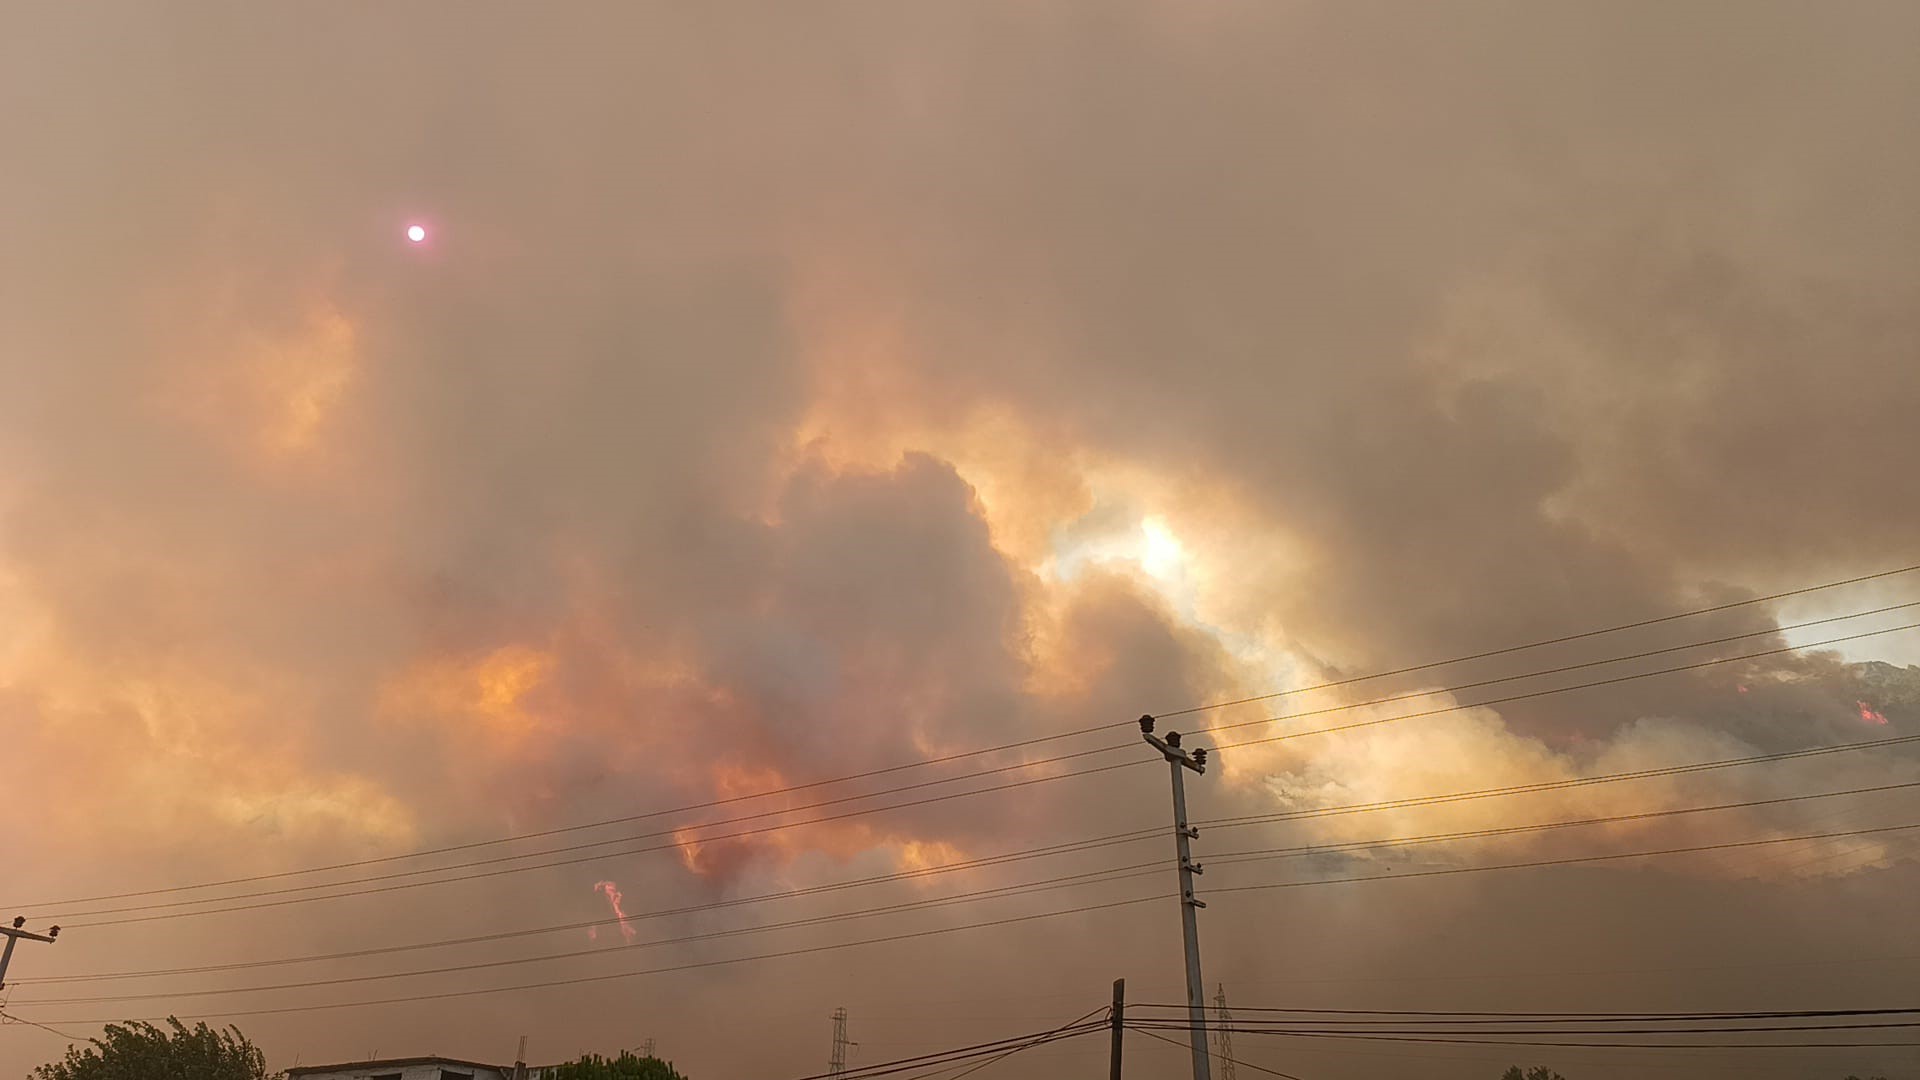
(1869, 714)
(613, 901)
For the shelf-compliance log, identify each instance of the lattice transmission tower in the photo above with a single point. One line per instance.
(837, 1064)
(1222, 1036)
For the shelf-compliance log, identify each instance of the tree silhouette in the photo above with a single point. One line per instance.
(628, 1066)
(178, 1052)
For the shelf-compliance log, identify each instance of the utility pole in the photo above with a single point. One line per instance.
(646, 1048)
(1224, 1036)
(1117, 1021)
(837, 1064)
(1179, 761)
(14, 934)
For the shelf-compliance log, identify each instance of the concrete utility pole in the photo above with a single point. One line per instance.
(14, 934)
(1224, 1036)
(1117, 1021)
(1180, 760)
(837, 1065)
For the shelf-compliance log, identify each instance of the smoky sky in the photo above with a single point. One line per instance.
(789, 391)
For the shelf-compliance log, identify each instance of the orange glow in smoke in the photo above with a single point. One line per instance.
(613, 901)
(492, 689)
(1869, 714)
(926, 854)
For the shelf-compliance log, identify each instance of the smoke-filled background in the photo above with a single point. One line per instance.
(785, 392)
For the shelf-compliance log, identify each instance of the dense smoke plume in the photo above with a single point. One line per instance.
(786, 394)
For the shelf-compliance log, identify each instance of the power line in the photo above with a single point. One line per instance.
(1557, 785)
(1541, 693)
(1640, 1061)
(1005, 858)
(1019, 744)
(1897, 958)
(1261, 854)
(674, 846)
(1483, 1016)
(1100, 876)
(992, 1054)
(1234, 1060)
(947, 1057)
(1022, 855)
(675, 831)
(1404, 1026)
(12, 1019)
(1051, 1036)
(1090, 877)
(1532, 864)
(1009, 920)
(1540, 644)
(1439, 1039)
(1564, 668)
(921, 802)
(691, 966)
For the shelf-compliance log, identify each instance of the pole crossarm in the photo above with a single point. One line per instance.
(13, 935)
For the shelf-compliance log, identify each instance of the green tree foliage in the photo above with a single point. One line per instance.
(1538, 1072)
(628, 1066)
(141, 1051)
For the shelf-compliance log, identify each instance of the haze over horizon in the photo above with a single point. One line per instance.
(775, 394)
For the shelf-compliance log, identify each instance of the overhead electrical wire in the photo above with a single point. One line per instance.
(1570, 861)
(1171, 1024)
(631, 917)
(961, 927)
(1065, 848)
(445, 849)
(1510, 830)
(1621, 855)
(1697, 666)
(1099, 876)
(1089, 877)
(1563, 639)
(1463, 1040)
(1223, 1057)
(691, 966)
(12, 1019)
(1590, 973)
(673, 846)
(946, 1072)
(1004, 858)
(1486, 1016)
(943, 1058)
(1556, 785)
(1564, 668)
(676, 830)
(681, 843)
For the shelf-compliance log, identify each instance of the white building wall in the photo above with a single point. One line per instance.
(431, 1071)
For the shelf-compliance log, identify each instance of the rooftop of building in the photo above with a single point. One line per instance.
(396, 1063)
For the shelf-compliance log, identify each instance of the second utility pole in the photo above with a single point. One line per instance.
(13, 934)
(1181, 760)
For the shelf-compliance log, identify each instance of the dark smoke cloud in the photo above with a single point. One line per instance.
(764, 402)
